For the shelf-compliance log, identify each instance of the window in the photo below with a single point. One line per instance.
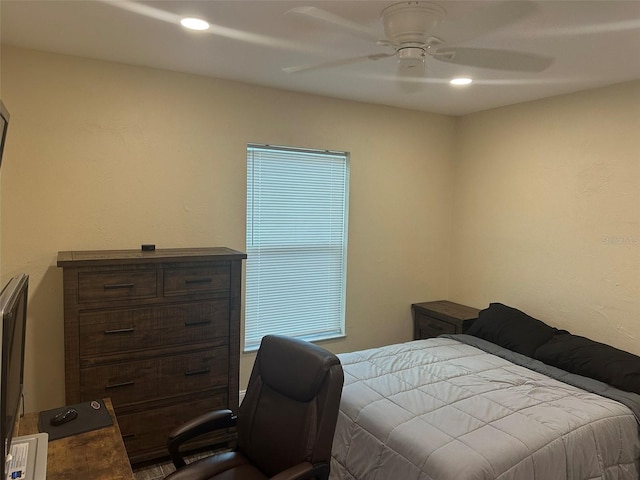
(297, 203)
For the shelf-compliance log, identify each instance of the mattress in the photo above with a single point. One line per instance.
(441, 409)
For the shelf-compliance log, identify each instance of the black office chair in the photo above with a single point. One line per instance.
(285, 423)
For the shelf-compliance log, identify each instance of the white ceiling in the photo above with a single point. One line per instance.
(593, 43)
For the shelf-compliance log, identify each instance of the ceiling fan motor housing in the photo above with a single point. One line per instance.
(410, 22)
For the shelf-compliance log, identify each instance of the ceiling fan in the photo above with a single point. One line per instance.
(417, 30)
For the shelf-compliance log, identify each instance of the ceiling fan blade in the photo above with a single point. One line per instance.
(332, 20)
(495, 59)
(336, 63)
(482, 21)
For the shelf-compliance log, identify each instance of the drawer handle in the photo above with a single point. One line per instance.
(119, 330)
(114, 286)
(123, 384)
(195, 281)
(195, 323)
(191, 373)
(127, 436)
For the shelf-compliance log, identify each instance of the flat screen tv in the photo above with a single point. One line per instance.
(13, 310)
(4, 126)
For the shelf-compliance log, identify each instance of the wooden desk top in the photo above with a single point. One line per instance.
(95, 455)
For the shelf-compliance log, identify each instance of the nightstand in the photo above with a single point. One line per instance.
(431, 319)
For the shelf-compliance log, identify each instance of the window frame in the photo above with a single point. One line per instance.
(336, 302)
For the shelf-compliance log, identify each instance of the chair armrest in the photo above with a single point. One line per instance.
(200, 425)
(303, 471)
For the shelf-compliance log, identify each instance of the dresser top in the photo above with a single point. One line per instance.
(105, 257)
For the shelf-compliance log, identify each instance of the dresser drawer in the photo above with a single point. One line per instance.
(147, 431)
(142, 328)
(196, 280)
(120, 285)
(168, 376)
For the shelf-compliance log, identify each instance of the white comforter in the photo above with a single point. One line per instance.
(439, 409)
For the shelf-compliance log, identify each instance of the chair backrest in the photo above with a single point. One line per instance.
(290, 409)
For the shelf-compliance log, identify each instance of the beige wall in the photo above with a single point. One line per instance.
(534, 205)
(103, 155)
(547, 212)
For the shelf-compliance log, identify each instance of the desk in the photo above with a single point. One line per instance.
(95, 455)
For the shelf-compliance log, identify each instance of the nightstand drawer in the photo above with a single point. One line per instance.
(432, 327)
(431, 319)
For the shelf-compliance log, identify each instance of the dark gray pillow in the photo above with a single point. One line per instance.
(510, 328)
(585, 357)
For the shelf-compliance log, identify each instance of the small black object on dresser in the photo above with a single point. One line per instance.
(431, 319)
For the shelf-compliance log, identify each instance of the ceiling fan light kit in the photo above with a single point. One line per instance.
(411, 57)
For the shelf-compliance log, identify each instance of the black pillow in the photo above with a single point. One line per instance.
(510, 328)
(585, 357)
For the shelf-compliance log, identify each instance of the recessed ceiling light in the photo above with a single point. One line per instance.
(194, 23)
(460, 81)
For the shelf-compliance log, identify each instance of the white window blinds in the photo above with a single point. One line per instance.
(297, 203)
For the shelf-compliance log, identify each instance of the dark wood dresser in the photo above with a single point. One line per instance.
(431, 319)
(158, 332)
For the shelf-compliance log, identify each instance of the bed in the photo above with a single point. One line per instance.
(460, 407)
